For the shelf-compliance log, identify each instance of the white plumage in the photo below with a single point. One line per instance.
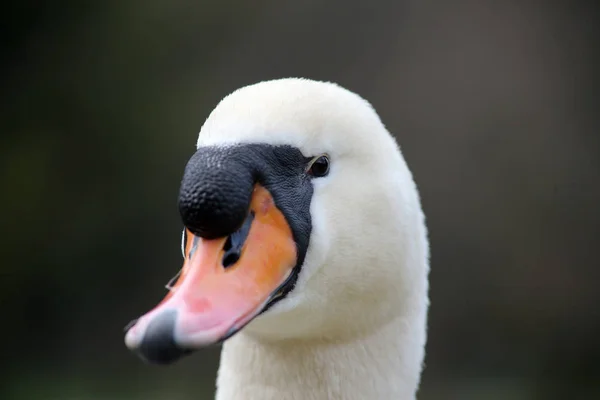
(354, 327)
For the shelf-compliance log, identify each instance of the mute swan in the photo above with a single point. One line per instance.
(304, 236)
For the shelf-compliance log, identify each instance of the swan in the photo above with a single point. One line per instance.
(305, 251)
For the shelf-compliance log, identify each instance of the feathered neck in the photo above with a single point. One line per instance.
(385, 364)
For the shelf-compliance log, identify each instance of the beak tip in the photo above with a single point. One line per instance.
(131, 341)
(157, 345)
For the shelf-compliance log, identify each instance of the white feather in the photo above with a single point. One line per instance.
(354, 327)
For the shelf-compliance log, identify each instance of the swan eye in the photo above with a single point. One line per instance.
(319, 166)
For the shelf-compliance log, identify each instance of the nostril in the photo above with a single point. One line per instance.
(230, 258)
(158, 344)
(235, 242)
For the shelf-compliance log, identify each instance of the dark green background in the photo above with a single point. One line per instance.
(493, 102)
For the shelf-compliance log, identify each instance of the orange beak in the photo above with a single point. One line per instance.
(223, 285)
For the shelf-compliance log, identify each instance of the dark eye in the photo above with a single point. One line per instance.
(319, 166)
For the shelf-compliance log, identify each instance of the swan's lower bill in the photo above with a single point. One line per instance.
(223, 285)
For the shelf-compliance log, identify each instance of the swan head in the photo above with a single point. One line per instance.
(302, 220)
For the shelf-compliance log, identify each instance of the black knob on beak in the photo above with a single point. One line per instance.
(215, 192)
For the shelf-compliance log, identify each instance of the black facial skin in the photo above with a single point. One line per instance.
(214, 201)
(217, 185)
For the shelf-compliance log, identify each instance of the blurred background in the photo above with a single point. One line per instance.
(494, 103)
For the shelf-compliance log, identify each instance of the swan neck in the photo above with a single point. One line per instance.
(385, 364)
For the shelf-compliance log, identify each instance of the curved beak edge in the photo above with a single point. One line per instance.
(211, 301)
